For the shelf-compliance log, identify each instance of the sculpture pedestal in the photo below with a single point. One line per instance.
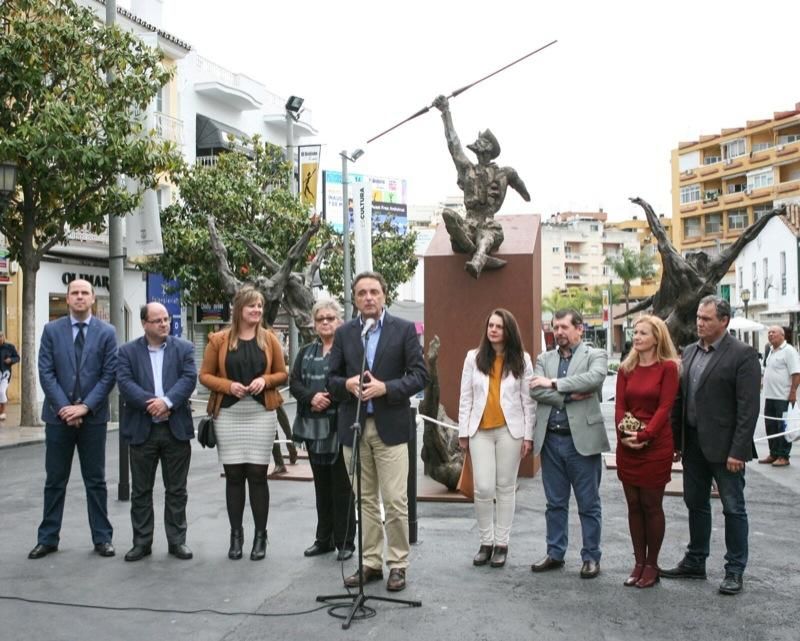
(456, 305)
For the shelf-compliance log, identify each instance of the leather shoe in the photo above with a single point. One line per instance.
(344, 554)
(767, 460)
(684, 571)
(138, 552)
(731, 584)
(781, 461)
(397, 580)
(180, 551)
(649, 577)
(547, 563)
(482, 557)
(369, 575)
(590, 569)
(42, 550)
(318, 548)
(499, 556)
(105, 549)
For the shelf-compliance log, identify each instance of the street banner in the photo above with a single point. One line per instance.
(143, 228)
(360, 197)
(309, 174)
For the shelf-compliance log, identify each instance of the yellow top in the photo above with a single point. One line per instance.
(493, 416)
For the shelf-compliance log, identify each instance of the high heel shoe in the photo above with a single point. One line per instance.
(636, 574)
(259, 546)
(649, 577)
(237, 540)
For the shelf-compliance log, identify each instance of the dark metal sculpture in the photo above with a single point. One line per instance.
(287, 287)
(484, 185)
(684, 281)
(441, 454)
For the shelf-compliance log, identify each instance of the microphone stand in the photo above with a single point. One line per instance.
(358, 609)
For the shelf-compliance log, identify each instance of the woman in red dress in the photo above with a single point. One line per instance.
(646, 387)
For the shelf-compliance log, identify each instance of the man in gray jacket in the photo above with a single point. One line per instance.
(570, 435)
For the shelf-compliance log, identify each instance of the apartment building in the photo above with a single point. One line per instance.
(649, 245)
(575, 246)
(721, 183)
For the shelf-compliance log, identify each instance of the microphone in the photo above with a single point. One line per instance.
(368, 325)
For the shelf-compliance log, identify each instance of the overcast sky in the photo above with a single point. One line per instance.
(586, 123)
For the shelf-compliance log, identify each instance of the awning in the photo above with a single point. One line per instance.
(213, 134)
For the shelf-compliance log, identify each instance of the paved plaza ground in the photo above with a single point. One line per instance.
(459, 601)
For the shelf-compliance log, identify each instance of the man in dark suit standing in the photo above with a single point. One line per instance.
(395, 371)
(156, 376)
(77, 366)
(713, 421)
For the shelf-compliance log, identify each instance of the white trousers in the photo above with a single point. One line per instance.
(495, 463)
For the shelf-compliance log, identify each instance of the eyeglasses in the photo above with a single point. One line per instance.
(325, 319)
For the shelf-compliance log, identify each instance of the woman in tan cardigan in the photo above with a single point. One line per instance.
(243, 366)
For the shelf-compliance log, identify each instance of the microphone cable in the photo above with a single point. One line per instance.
(135, 608)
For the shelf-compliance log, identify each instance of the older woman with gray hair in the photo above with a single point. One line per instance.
(315, 426)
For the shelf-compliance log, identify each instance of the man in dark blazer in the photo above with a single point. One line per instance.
(77, 366)
(156, 376)
(713, 421)
(395, 371)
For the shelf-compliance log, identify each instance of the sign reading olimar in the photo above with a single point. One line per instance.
(484, 186)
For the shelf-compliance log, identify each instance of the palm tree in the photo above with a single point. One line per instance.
(628, 266)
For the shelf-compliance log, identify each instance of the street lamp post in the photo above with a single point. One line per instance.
(347, 276)
(745, 296)
(293, 110)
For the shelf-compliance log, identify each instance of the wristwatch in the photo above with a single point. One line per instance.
(554, 385)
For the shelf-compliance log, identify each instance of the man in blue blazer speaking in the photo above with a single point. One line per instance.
(156, 376)
(77, 365)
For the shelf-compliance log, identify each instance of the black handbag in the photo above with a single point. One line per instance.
(206, 435)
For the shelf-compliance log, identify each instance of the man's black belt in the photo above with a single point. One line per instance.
(559, 432)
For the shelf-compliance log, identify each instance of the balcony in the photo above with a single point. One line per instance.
(233, 89)
(169, 128)
(571, 257)
(574, 277)
(206, 161)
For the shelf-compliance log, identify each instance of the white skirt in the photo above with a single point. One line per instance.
(245, 433)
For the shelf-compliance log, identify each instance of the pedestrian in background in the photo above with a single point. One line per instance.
(781, 377)
(8, 357)
(495, 423)
(646, 387)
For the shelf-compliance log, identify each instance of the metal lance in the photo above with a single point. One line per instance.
(425, 110)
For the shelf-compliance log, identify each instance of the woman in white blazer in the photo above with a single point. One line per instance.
(495, 423)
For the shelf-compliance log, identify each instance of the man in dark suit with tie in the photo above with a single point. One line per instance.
(77, 367)
(156, 375)
(713, 420)
(395, 371)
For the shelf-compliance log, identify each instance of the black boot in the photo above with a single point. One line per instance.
(237, 540)
(259, 546)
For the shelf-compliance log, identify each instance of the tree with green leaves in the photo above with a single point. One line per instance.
(392, 255)
(628, 266)
(247, 192)
(71, 134)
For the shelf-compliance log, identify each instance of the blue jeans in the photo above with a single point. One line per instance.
(697, 475)
(61, 441)
(563, 468)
